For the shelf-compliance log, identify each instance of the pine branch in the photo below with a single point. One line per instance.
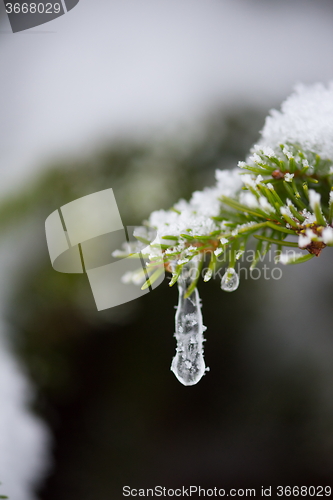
(283, 188)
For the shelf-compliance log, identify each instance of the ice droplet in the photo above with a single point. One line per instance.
(208, 275)
(230, 280)
(188, 364)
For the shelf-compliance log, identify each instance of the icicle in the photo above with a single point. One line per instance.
(230, 280)
(188, 364)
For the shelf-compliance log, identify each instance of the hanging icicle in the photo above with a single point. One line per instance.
(188, 364)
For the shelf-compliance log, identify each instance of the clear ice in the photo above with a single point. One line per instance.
(230, 280)
(188, 364)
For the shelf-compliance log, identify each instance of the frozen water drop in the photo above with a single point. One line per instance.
(188, 364)
(230, 280)
(208, 275)
(239, 254)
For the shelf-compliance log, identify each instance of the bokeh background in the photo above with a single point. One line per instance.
(150, 97)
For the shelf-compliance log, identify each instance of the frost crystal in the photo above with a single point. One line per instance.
(268, 151)
(288, 177)
(287, 153)
(303, 241)
(248, 181)
(196, 214)
(256, 158)
(182, 261)
(309, 217)
(259, 179)
(286, 211)
(265, 205)
(208, 275)
(248, 199)
(306, 118)
(310, 234)
(314, 199)
(327, 235)
(290, 257)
